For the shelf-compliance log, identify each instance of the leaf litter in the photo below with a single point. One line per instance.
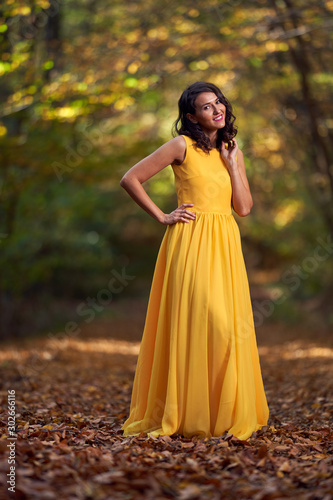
(70, 443)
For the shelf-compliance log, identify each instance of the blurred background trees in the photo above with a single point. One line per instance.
(89, 88)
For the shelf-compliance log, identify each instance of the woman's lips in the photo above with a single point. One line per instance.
(218, 118)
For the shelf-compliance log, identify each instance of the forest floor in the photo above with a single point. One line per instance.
(72, 395)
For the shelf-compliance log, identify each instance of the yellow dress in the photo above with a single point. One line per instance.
(198, 370)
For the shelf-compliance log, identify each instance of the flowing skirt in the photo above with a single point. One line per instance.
(198, 370)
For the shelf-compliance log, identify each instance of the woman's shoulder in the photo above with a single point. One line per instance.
(179, 147)
(187, 139)
(180, 140)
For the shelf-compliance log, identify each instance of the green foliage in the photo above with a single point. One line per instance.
(90, 89)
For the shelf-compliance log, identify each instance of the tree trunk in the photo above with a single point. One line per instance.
(319, 139)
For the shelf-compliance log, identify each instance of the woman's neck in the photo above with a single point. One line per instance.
(212, 135)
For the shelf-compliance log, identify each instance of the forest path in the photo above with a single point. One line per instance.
(72, 395)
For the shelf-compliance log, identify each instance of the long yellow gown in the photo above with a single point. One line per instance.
(198, 370)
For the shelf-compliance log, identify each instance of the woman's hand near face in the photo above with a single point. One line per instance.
(179, 215)
(241, 195)
(229, 155)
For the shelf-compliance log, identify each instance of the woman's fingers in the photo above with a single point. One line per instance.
(187, 214)
(181, 214)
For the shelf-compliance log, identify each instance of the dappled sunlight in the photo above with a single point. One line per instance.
(296, 350)
(108, 346)
(47, 349)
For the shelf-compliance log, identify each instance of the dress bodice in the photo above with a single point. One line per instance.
(204, 180)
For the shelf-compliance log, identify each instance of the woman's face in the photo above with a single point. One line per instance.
(209, 112)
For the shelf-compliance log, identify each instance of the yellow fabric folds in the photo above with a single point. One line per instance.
(198, 370)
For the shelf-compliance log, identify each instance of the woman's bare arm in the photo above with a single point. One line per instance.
(241, 195)
(172, 151)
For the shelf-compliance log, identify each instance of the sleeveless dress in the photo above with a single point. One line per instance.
(198, 370)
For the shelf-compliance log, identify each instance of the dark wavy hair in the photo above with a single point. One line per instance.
(184, 126)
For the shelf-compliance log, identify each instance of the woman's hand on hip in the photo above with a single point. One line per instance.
(181, 214)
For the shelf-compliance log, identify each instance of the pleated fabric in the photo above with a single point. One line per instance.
(198, 370)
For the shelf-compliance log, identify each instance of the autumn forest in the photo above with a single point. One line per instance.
(88, 88)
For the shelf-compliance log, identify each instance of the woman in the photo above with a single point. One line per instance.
(198, 370)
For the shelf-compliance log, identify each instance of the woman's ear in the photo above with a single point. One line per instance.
(191, 118)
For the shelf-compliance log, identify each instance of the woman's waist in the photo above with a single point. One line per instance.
(209, 212)
(199, 208)
(206, 204)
